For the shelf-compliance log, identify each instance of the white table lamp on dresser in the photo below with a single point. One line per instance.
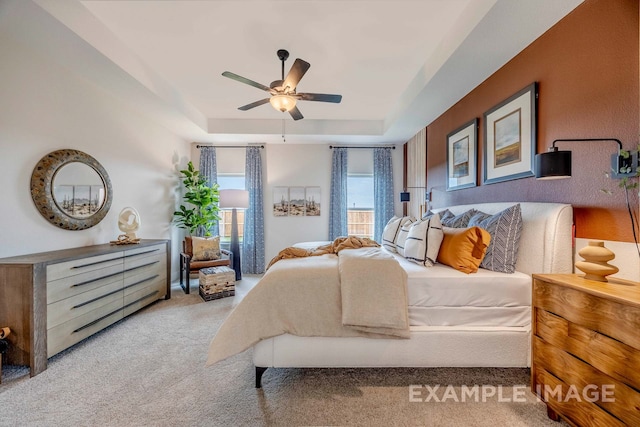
(235, 199)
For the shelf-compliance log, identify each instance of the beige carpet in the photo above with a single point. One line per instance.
(148, 370)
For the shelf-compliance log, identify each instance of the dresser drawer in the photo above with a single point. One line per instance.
(142, 297)
(79, 328)
(83, 282)
(145, 278)
(155, 262)
(132, 257)
(81, 265)
(64, 310)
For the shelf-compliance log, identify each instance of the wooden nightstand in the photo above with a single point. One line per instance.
(586, 349)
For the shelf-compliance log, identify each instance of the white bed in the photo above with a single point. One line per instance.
(461, 326)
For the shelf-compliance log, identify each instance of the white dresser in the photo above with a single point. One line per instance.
(52, 300)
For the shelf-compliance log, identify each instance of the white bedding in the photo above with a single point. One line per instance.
(442, 296)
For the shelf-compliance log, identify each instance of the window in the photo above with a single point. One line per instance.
(228, 182)
(360, 205)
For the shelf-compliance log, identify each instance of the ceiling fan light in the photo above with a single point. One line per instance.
(283, 102)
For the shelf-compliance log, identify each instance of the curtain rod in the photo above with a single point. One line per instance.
(230, 146)
(393, 147)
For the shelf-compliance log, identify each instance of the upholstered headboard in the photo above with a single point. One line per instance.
(547, 234)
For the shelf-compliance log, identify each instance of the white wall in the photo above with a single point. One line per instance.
(303, 165)
(45, 106)
(306, 165)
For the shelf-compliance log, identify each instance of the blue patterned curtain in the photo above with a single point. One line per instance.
(209, 170)
(382, 190)
(253, 240)
(338, 197)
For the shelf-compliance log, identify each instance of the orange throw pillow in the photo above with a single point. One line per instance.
(464, 248)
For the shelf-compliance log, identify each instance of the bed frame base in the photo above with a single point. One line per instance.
(259, 371)
(427, 348)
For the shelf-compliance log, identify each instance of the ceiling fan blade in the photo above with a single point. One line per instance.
(323, 97)
(296, 72)
(296, 114)
(254, 104)
(244, 80)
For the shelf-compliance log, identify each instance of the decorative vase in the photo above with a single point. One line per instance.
(595, 263)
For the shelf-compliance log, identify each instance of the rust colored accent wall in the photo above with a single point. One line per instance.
(587, 71)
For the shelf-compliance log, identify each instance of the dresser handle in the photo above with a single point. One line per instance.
(95, 263)
(140, 266)
(95, 280)
(96, 299)
(142, 253)
(142, 298)
(97, 320)
(140, 281)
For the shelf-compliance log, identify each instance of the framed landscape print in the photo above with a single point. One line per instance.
(510, 137)
(296, 201)
(462, 157)
(312, 201)
(280, 201)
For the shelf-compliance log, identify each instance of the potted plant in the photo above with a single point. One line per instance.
(203, 200)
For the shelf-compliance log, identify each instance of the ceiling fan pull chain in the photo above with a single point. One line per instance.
(283, 138)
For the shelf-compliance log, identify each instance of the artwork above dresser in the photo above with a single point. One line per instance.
(53, 300)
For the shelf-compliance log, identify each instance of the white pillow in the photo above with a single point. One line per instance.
(423, 241)
(389, 234)
(391, 230)
(403, 233)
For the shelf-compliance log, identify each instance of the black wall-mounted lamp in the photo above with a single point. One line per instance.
(556, 164)
(405, 196)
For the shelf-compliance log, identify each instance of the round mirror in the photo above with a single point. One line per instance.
(71, 189)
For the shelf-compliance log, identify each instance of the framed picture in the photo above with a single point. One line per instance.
(296, 201)
(312, 201)
(510, 137)
(462, 156)
(280, 201)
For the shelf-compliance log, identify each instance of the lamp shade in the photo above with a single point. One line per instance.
(553, 165)
(405, 196)
(283, 102)
(234, 199)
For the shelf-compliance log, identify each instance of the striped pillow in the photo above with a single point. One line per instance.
(505, 229)
(448, 219)
(391, 230)
(403, 233)
(423, 241)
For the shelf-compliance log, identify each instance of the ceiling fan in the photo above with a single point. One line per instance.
(283, 92)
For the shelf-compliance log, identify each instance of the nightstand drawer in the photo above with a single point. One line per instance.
(591, 311)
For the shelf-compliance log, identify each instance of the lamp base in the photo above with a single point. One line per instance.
(234, 246)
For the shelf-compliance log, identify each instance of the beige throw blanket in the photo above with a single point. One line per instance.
(340, 243)
(306, 296)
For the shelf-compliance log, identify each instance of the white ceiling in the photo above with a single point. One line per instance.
(398, 64)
